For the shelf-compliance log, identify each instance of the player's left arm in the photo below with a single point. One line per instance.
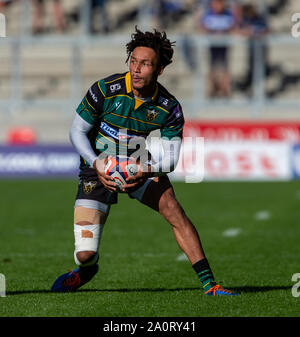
(171, 152)
(171, 139)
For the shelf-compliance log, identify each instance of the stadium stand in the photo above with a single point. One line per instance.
(45, 65)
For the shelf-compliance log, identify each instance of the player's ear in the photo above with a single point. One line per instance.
(160, 70)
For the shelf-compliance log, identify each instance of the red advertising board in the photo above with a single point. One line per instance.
(250, 150)
(243, 130)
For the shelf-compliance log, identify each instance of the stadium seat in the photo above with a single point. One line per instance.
(22, 135)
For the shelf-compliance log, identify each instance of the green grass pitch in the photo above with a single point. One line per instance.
(249, 230)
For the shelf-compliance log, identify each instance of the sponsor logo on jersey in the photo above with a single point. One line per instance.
(163, 101)
(115, 87)
(151, 115)
(93, 95)
(88, 186)
(178, 112)
(118, 104)
(121, 136)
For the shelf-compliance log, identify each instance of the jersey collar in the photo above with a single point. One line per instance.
(129, 88)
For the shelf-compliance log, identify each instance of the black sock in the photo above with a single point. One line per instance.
(204, 273)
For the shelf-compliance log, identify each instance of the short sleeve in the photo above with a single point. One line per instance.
(173, 126)
(91, 106)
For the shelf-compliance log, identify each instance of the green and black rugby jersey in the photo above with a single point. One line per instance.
(118, 117)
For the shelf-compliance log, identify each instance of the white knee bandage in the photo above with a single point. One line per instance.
(91, 262)
(87, 237)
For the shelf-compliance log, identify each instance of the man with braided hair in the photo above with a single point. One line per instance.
(131, 104)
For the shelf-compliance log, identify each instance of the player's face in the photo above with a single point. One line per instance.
(144, 69)
(217, 6)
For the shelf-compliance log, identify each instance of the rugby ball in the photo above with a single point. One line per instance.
(120, 168)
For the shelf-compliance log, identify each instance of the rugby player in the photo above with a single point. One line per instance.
(129, 106)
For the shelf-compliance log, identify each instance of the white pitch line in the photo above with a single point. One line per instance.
(262, 215)
(231, 232)
(182, 257)
(60, 254)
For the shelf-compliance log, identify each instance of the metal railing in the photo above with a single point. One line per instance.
(253, 106)
(198, 100)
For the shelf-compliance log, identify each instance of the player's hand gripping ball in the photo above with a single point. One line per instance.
(120, 168)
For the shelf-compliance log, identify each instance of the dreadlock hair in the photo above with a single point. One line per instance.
(157, 41)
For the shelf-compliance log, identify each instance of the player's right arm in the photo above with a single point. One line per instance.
(88, 112)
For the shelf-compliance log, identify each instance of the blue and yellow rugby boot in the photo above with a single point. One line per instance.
(217, 290)
(74, 279)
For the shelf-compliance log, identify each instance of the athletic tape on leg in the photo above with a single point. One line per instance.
(87, 237)
(91, 262)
